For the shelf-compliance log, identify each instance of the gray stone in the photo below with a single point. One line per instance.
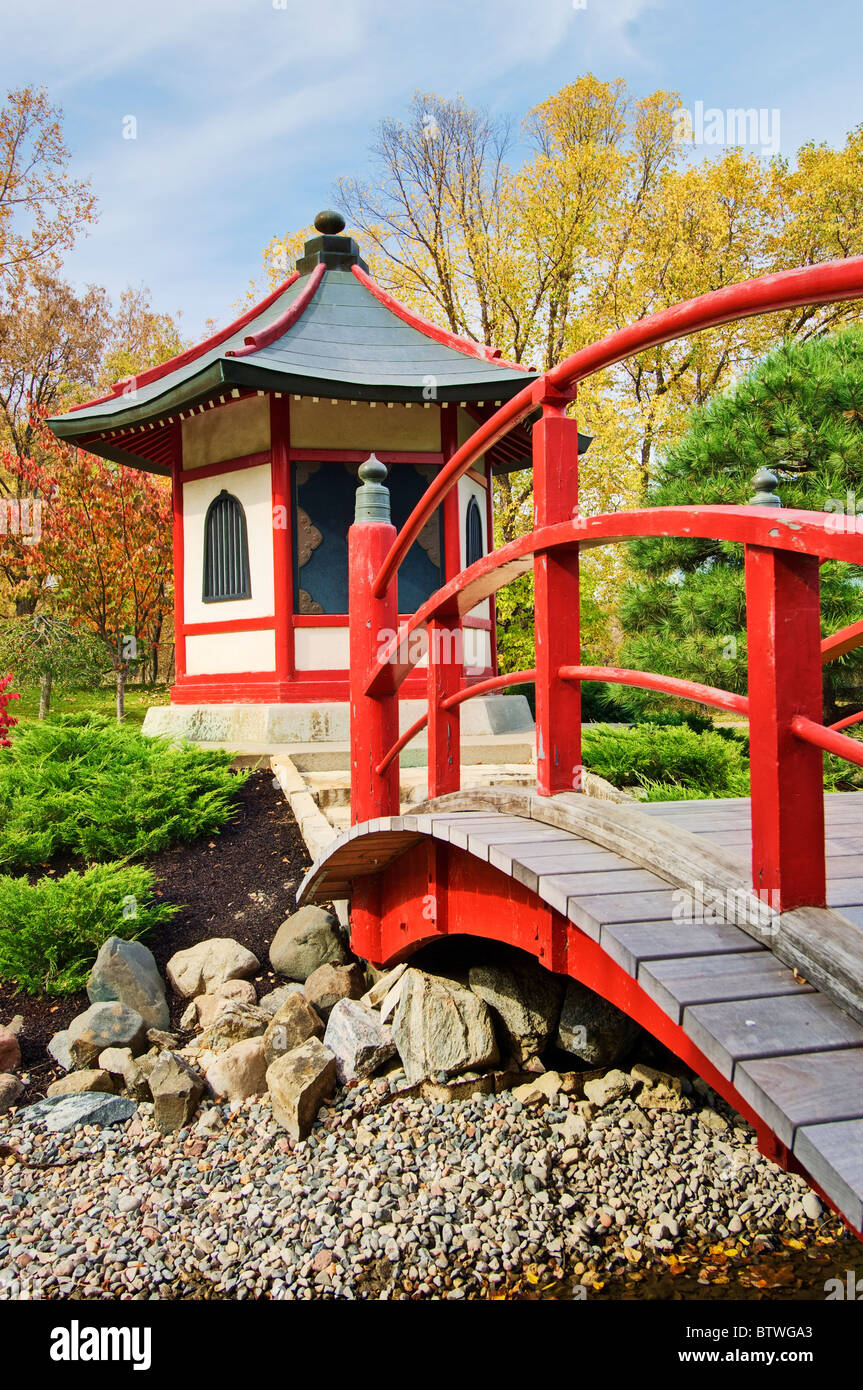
(439, 1026)
(105, 1025)
(273, 1001)
(360, 1042)
(59, 1050)
(812, 1207)
(86, 1108)
(527, 1000)
(176, 1089)
(126, 971)
(210, 963)
(591, 1029)
(233, 1023)
(75, 1082)
(330, 983)
(299, 1082)
(206, 1007)
(293, 1024)
(306, 940)
(10, 1090)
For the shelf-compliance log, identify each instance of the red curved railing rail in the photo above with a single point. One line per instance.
(783, 550)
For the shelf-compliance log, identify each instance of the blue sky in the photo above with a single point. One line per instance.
(248, 110)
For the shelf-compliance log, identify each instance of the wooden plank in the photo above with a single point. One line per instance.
(591, 914)
(808, 1089)
(629, 943)
(845, 891)
(529, 869)
(676, 984)
(769, 1027)
(502, 854)
(561, 889)
(854, 914)
(832, 1155)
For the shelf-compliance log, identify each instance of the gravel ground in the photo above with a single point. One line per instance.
(391, 1196)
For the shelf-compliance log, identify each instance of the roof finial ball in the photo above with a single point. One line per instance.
(329, 222)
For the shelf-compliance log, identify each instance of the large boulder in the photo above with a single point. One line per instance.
(210, 963)
(60, 1113)
(439, 1026)
(176, 1089)
(233, 1023)
(306, 940)
(105, 1025)
(90, 1079)
(360, 1042)
(207, 1006)
(330, 983)
(239, 1072)
(525, 998)
(293, 1024)
(126, 971)
(299, 1083)
(11, 1089)
(591, 1029)
(10, 1050)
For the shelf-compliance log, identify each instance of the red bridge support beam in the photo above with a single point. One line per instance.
(556, 603)
(374, 719)
(444, 725)
(784, 658)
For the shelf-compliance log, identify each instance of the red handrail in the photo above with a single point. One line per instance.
(669, 685)
(817, 284)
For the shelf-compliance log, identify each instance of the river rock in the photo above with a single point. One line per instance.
(439, 1026)
(105, 1025)
(209, 964)
(591, 1029)
(58, 1047)
(10, 1050)
(233, 1023)
(330, 983)
(299, 1083)
(602, 1090)
(239, 1072)
(293, 1024)
(10, 1090)
(306, 940)
(60, 1113)
(527, 1000)
(92, 1079)
(360, 1042)
(176, 1089)
(126, 971)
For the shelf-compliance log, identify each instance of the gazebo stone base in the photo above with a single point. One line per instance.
(270, 725)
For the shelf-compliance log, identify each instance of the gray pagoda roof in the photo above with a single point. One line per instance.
(342, 337)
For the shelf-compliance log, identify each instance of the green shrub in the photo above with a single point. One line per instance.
(81, 785)
(672, 758)
(51, 931)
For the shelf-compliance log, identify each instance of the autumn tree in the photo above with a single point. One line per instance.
(43, 209)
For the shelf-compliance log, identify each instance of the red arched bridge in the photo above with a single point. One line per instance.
(751, 972)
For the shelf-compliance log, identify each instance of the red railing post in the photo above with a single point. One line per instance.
(556, 603)
(787, 793)
(444, 725)
(373, 621)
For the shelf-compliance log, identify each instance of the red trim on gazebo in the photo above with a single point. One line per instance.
(280, 326)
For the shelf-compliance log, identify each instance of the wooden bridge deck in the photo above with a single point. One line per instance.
(786, 1048)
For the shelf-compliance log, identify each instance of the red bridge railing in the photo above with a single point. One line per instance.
(783, 550)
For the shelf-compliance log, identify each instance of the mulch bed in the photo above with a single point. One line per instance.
(240, 883)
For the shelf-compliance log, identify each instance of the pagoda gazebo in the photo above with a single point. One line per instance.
(262, 429)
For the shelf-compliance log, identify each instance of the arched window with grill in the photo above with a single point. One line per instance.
(226, 551)
(473, 546)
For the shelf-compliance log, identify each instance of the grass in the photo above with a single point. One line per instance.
(51, 931)
(101, 701)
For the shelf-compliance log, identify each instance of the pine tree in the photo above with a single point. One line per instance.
(799, 414)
